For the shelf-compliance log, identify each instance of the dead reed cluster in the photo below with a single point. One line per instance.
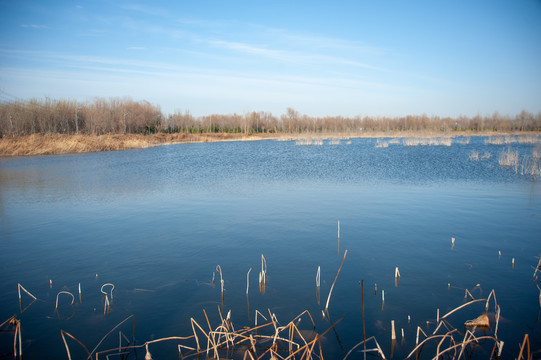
(451, 338)
(513, 139)
(318, 141)
(509, 158)
(54, 144)
(431, 141)
(474, 156)
(266, 341)
(525, 165)
(422, 141)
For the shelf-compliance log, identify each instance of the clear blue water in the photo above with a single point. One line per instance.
(156, 223)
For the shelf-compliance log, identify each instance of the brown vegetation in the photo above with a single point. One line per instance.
(125, 116)
(117, 124)
(55, 144)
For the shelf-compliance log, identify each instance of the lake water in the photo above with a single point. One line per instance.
(156, 223)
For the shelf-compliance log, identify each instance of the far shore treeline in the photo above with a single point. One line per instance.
(120, 115)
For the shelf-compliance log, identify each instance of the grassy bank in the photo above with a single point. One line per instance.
(56, 144)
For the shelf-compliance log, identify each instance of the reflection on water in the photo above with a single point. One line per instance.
(157, 222)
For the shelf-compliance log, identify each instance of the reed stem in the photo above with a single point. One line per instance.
(64, 292)
(248, 281)
(19, 287)
(364, 327)
(105, 293)
(336, 277)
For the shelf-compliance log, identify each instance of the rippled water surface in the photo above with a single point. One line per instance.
(157, 222)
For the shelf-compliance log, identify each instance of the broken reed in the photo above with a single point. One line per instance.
(336, 277)
(263, 275)
(224, 340)
(268, 340)
(225, 337)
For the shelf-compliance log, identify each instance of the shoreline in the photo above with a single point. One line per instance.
(60, 144)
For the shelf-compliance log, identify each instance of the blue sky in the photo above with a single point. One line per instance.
(446, 58)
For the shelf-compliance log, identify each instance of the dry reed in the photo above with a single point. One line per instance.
(263, 275)
(111, 292)
(336, 277)
(474, 156)
(64, 292)
(248, 281)
(431, 141)
(219, 269)
(19, 287)
(537, 268)
(509, 158)
(377, 349)
(282, 342)
(334, 141)
(54, 144)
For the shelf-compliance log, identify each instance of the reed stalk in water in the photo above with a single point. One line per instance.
(219, 269)
(19, 287)
(62, 333)
(336, 277)
(67, 293)
(537, 268)
(17, 339)
(248, 281)
(263, 275)
(318, 283)
(111, 292)
(106, 305)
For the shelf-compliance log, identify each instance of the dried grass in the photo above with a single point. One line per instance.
(513, 139)
(428, 141)
(509, 158)
(56, 144)
(272, 341)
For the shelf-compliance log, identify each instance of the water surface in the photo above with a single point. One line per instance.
(157, 222)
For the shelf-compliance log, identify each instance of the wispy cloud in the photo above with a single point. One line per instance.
(34, 26)
(147, 10)
(289, 56)
(317, 41)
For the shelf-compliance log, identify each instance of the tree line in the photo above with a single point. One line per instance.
(122, 115)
